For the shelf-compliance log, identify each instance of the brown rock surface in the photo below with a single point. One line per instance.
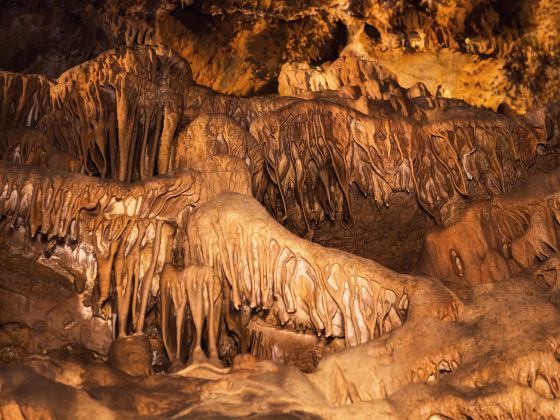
(465, 368)
(369, 229)
(131, 355)
(42, 311)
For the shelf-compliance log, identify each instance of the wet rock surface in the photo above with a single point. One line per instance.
(269, 209)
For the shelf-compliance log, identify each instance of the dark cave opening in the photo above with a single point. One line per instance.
(271, 87)
(372, 32)
(196, 21)
(332, 50)
(511, 13)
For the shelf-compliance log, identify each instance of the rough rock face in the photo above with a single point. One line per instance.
(505, 50)
(367, 228)
(131, 355)
(482, 51)
(42, 310)
(511, 232)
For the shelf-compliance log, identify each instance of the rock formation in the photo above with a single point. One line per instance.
(297, 209)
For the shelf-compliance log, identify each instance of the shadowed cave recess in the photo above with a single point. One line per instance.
(280, 209)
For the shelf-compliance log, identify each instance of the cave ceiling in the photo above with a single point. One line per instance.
(280, 209)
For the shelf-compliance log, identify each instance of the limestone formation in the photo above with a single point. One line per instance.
(305, 209)
(131, 228)
(304, 286)
(510, 233)
(200, 288)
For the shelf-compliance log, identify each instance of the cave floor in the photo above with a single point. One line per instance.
(505, 342)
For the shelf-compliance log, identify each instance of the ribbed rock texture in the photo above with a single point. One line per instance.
(300, 209)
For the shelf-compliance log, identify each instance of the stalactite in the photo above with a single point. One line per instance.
(305, 286)
(129, 225)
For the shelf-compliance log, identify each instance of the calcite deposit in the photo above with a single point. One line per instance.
(297, 209)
